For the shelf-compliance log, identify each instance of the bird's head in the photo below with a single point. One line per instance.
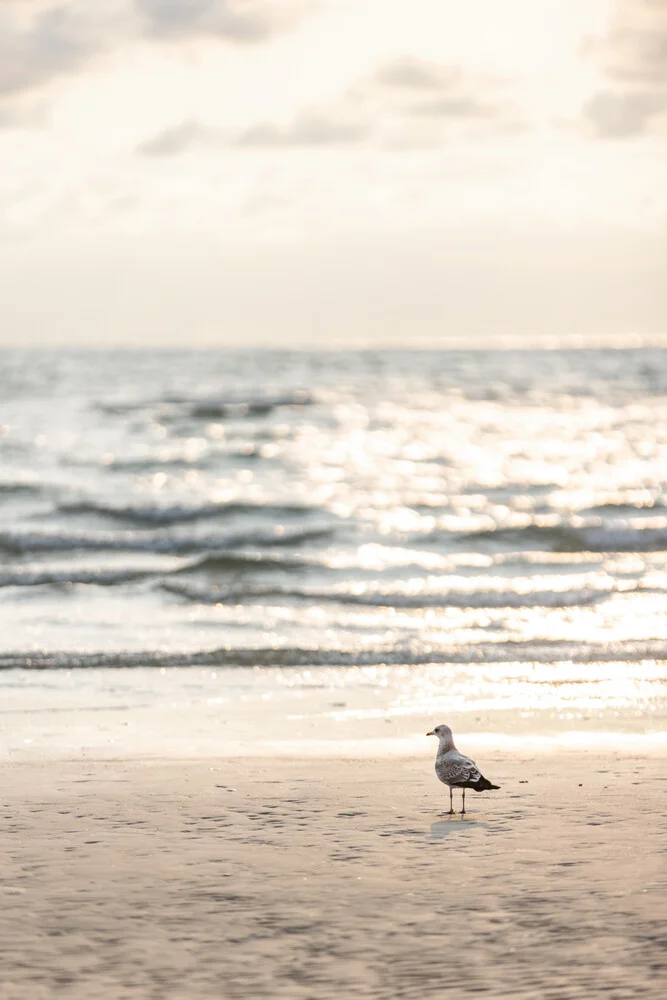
(443, 733)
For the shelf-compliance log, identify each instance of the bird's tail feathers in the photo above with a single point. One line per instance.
(484, 785)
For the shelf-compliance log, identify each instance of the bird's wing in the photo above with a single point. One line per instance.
(458, 770)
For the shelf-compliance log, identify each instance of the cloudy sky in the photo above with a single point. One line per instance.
(322, 172)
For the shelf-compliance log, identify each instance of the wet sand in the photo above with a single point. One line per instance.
(314, 879)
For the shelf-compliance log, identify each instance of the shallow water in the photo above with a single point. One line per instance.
(331, 711)
(500, 515)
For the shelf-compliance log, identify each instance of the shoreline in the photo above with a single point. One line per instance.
(355, 712)
(607, 745)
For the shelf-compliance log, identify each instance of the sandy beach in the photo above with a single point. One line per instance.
(312, 879)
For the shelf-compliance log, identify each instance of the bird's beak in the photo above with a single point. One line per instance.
(431, 733)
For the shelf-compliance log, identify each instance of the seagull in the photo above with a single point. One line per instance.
(456, 770)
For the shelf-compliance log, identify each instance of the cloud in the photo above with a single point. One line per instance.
(310, 128)
(56, 42)
(8, 118)
(633, 56)
(638, 55)
(177, 139)
(415, 87)
(23, 115)
(416, 74)
(40, 43)
(622, 114)
(404, 103)
(456, 107)
(243, 21)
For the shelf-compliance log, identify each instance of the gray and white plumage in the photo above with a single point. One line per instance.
(455, 769)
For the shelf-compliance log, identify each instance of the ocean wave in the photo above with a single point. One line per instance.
(623, 539)
(627, 508)
(248, 559)
(243, 593)
(181, 513)
(150, 463)
(216, 409)
(224, 562)
(18, 487)
(554, 651)
(211, 407)
(103, 577)
(155, 541)
(144, 463)
(568, 538)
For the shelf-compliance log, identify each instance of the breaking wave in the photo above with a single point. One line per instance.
(154, 541)
(567, 538)
(211, 407)
(241, 594)
(554, 651)
(103, 577)
(182, 513)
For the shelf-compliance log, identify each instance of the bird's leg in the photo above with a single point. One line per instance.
(451, 802)
(463, 808)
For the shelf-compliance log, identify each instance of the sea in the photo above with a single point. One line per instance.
(332, 540)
